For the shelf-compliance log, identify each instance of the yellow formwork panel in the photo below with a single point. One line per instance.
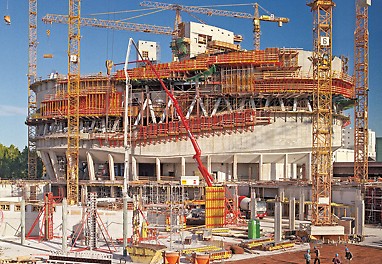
(215, 207)
(221, 254)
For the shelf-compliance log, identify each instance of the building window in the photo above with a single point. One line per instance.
(4, 207)
(145, 54)
(35, 208)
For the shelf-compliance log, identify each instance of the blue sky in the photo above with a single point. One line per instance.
(97, 45)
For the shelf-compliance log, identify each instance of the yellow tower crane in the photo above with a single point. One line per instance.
(32, 75)
(72, 153)
(361, 72)
(215, 12)
(322, 112)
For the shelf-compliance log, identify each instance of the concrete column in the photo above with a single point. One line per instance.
(90, 162)
(360, 218)
(22, 225)
(286, 172)
(293, 171)
(111, 167)
(234, 167)
(309, 167)
(209, 163)
(48, 165)
(125, 226)
(253, 205)
(64, 224)
(84, 194)
(54, 163)
(157, 170)
(134, 168)
(301, 206)
(281, 194)
(111, 174)
(278, 221)
(182, 166)
(261, 167)
(292, 213)
(273, 172)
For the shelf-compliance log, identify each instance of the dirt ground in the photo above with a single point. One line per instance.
(361, 255)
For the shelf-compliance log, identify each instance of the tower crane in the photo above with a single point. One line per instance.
(210, 12)
(361, 71)
(322, 112)
(32, 75)
(118, 25)
(72, 153)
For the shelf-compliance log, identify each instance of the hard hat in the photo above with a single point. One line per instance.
(308, 250)
(336, 254)
(315, 247)
(346, 249)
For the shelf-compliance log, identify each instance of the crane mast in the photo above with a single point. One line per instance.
(361, 68)
(322, 112)
(32, 75)
(256, 28)
(72, 153)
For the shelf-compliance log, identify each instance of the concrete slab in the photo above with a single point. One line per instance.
(326, 230)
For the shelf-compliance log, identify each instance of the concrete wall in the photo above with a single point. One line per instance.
(306, 64)
(197, 31)
(10, 221)
(281, 135)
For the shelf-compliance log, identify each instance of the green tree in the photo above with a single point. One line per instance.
(14, 164)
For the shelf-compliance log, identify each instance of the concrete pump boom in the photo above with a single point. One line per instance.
(197, 157)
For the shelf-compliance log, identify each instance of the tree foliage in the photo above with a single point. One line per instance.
(14, 163)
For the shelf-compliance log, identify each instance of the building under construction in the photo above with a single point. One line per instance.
(217, 135)
(250, 111)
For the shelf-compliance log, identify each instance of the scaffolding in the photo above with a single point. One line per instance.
(164, 204)
(373, 205)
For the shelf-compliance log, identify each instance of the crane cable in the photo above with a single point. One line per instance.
(7, 17)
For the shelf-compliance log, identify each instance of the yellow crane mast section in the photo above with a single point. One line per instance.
(322, 107)
(72, 154)
(361, 68)
(32, 75)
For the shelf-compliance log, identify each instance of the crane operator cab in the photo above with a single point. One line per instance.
(7, 20)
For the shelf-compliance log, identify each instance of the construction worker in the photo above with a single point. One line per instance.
(336, 259)
(317, 255)
(348, 255)
(307, 256)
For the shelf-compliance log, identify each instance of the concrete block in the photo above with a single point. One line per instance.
(326, 230)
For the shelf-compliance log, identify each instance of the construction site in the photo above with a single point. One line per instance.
(221, 154)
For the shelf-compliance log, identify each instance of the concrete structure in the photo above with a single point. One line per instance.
(250, 111)
(292, 213)
(198, 38)
(343, 155)
(149, 50)
(255, 128)
(278, 221)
